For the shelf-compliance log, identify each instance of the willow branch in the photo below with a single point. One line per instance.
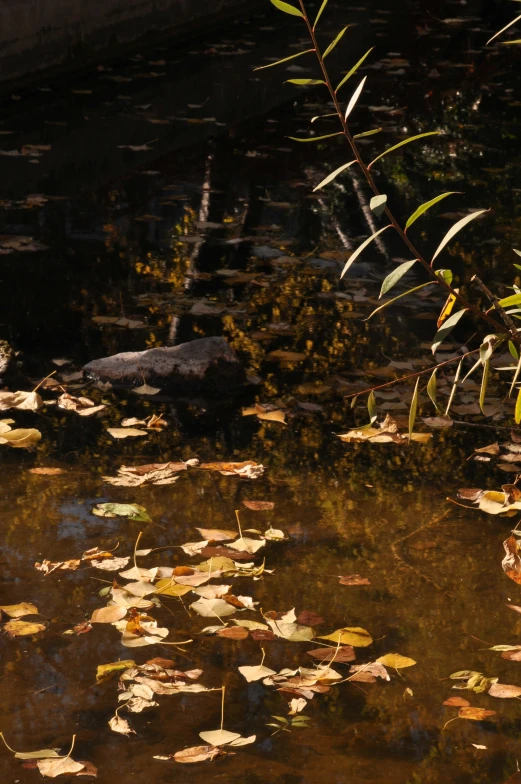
(394, 222)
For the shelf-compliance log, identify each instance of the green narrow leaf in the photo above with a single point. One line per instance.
(405, 293)
(334, 43)
(507, 302)
(413, 409)
(377, 204)
(331, 177)
(354, 69)
(367, 133)
(371, 407)
(426, 206)
(361, 248)
(517, 251)
(447, 327)
(432, 389)
(394, 276)
(511, 42)
(445, 274)
(401, 144)
(504, 28)
(354, 98)
(456, 228)
(287, 8)
(321, 116)
(513, 350)
(284, 60)
(472, 369)
(454, 386)
(517, 413)
(484, 383)
(304, 82)
(353, 401)
(316, 138)
(320, 13)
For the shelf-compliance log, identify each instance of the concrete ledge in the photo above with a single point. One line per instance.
(49, 35)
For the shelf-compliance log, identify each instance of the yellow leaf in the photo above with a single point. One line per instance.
(396, 661)
(446, 309)
(350, 635)
(105, 671)
(166, 587)
(23, 628)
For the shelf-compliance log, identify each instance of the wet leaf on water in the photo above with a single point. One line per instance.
(58, 767)
(125, 432)
(46, 471)
(23, 401)
(106, 671)
(475, 714)
(47, 567)
(259, 506)
(233, 633)
(108, 614)
(438, 421)
(145, 389)
(217, 534)
(248, 469)
(219, 737)
(197, 754)
(80, 405)
(246, 545)
(211, 608)
(368, 673)
(19, 610)
(353, 579)
(341, 655)
(396, 661)
(350, 635)
(504, 691)
(256, 673)
(117, 724)
(167, 587)
(274, 535)
(457, 702)
(131, 511)
(22, 628)
(511, 563)
(20, 438)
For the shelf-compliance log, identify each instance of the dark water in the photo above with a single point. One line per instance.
(153, 236)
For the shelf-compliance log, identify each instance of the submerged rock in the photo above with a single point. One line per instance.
(207, 365)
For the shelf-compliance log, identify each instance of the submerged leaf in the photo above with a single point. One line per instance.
(22, 628)
(476, 714)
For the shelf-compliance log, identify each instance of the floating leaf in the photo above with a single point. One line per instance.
(23, 401)
(354, 98)
(19, 610)
(106, 671)
(211, 608)
(353, 70)
(256, 673)
(378, 204)
(108, 614)
(361, 248)
(117, 724)
(353, 579)
(259, 506)
(167, 587)
(396, 661)
(125, 432)
(350, 635)
(58, 767)
(197, 754)
(504, 691)
(331, 177)
(341, 655)
(22, 628)
(132, 511)
(401, 144)
(457, 702)
(475, 714)
(20, 438)
(219, 737)
(456, 228)
(426, 206)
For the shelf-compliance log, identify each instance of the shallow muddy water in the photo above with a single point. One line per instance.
(215, 231)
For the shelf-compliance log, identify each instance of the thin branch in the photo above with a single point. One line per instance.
(368, 176)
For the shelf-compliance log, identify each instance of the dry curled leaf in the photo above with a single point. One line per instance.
(117, 724)
(197, 754)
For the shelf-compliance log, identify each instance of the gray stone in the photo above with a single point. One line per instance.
(207, 365)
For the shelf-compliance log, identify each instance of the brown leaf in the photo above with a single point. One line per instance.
(491, 449)
(58, 766)
(233, 633)
(259, 506)
(197, 754)
(457, 702)
(82, 628)
(261, 634)
(47, 567)
(476, 714)
(46, 471)
(309, 618)
(345, 653)
(511, 563)
(214, 552)
(286, 356)
(470, 494)
(108, 614)
(353, 579)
